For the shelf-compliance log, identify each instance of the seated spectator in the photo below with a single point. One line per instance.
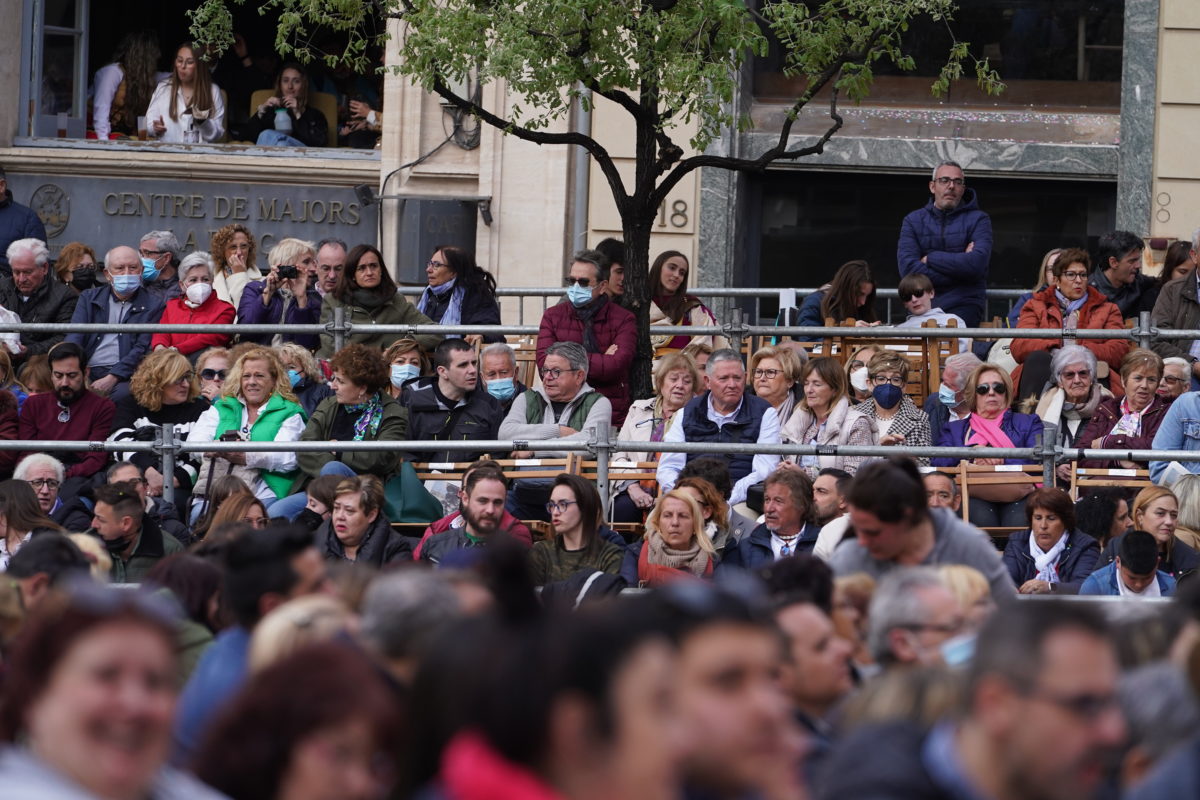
(132, 537)
(286, 119)
(450, 406)
(829, 509)
(112, 357)
(1156, 511)
(195, 583)
(647, 421)
(897, 419)
(895, 527)
(9, 382)
(916, 292)
(165, 514)
(1161, 712)
(34, 296)
(297, 625)
(1071, 305)
(211, 368)
(49, 562)
(498, 364)
(825, 417)
(775, 374)
(992, 424)
(675, 546)
(1119, 276)
(284, 297)
(699, 353)
(331, 260)
(951, 403)
(358, 530)
(727, 413)
(1070, 403)
(913, 615)
(9, 428)
(319, 506)
(21, 517)
(1052, 556)
(941, 491)
(858, 381)
(1103, 514)
(589, 317)
(204, 513)
(1187, 529)
(44, 473)
(1131, 422)
(35, 375)
(76, 266)
(160, 252)
(257, 405)
(974, 595)
(575, 512)
(481, 517)
(196, 304)
(714, 511)
(406, 362)
(1045, 278)
(122, 89)
(508, 524)
(672, 305)
(187, 107)
(235, 252)
(369, 297)
(304, 375)
(788, 528)
(72, 414)
(1134, 572)
(849, 296)
(1176, 378)
(460, 292)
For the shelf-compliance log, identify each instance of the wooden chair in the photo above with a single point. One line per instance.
(924, 356)
(1083, 478)
(513, 468)
(525, 348)
(973, 476)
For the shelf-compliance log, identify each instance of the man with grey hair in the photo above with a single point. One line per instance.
(912, 614)
(403, 613)
(33, 293)
(950, 404)
(950, 241)
(16, 222)
(727, 413)
(45, 474)
(589, 317)
(1178, 308)
(498, 368)
(160, 251)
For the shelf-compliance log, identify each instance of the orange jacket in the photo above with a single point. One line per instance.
(1043, 311)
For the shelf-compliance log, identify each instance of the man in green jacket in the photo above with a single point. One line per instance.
(133, 540)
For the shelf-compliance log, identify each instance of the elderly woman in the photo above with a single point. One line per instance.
(1052, 557)
(1177, 378)
(357, 530)
(1156, 511)
(675, 380)
(825, 416)
(305, 376)
(1070, 304)
(459, 292)
(211, 367)
(575, 517)
(197, 304)
(1072, 399)
(235, 252)
(1131, 422)
(898, 421)
(256, 404)
(284, 296)
(675, 546)
(672, 305)
(406, 361)
(368, 295)
(774, 374)
(992, 424)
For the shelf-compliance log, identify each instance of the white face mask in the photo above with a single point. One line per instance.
(858, 379)
(197, 293)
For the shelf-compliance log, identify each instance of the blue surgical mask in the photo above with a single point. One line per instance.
(578, 295)
(958, 651)
(294, 377)
(402, 373)
(502, 388)
(888, 395)
(150, 270)
(947, 396)
(126, 284)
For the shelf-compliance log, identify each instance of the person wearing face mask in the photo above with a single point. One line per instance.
(196, 304)
(406, 361)
(304, 375)
(498, 368)
(34, 295)
(76, 266)
(897, 418)
(114, 356)
(284, 296)
(858, 380)
(130, 535)
(913, 613)
(160, 264)
(950, 403)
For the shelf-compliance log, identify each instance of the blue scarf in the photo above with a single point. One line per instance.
(1069, 306)
(453, 313)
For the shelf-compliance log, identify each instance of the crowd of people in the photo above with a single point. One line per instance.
(398, 613)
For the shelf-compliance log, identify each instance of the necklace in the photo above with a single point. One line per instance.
(787, 548)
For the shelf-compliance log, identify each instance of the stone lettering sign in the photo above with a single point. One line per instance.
(104, 212)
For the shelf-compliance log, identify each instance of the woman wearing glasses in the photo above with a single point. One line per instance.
(211, 367)
(897, 419)
(459, 292)
(992, 424)
(575, 514)
(1128, 423)
(825, 416)
(774, 375)
(1070, 304)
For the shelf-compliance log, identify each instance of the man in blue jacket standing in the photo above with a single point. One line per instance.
(950, 241)
(16, 222)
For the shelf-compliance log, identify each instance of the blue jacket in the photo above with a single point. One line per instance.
(755, 551)
(219, 674)
(1023, 429)
(810, 312)
(1104, 582)
(959, 277)
(92, 307)
(1076, 562)
(251, 311)
(1179, 430)
(16, 222)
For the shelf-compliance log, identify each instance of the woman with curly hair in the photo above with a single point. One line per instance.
(186, 101)
(672, 305)
(368, 294)
(234, 251)
(124, 87)
(460, 292)
(76, 266)
(163, 390)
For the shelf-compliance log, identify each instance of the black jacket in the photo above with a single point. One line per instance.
(311, 128)
(1078, 560)
(479, 307)
(882, 762)
(383, 545)
(53, 301)
(430, 417)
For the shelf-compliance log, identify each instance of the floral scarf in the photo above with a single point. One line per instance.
(370, 415)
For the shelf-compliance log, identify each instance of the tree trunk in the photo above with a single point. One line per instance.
(638, 223)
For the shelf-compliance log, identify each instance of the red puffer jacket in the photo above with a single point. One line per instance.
(608, 375)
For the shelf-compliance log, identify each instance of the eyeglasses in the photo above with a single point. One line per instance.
(1075, 276)
(554, 373)
(1171, 379)
(918, 293)
(44, 483)
(584, 282)
(856, 364)
(1070, 376)
(769, 374)
(989, 388)
(64, 413)
(880, 380)
(950, 628)
(186, 377)
(151, 253)
(436, 264)
(255, 522)
(213, 374)
(561, 506)
(944, 181)
(1088, 706)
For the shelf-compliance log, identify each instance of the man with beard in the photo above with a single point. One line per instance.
(482, 516)
(132, 537)
(70, 414)
(1042, 720)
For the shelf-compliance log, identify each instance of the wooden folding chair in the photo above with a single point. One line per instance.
(525, 348)
(1084, 479)
(921, 354)
(975, 475)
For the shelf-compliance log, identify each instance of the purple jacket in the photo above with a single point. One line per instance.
(959, 277)
(252, 312)
(1023, 429)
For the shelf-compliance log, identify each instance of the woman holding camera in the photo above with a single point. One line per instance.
(284, 296)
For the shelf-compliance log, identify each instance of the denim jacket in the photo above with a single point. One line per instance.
(1180, 430)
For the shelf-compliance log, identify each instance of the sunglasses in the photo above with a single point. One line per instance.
(991, 388)
(914, 295)
(213, 374)
(584, 282)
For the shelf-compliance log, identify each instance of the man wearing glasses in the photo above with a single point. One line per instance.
(950, 240)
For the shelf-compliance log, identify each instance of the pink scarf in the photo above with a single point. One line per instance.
(987, 432)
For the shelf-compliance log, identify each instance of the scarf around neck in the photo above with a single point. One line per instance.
(1069, 306)
(367, 298)
(433, 296)
(370, 415)
(1047, 561)
(1130, 423)
(694, 559)
(586, 315)
(987, 432)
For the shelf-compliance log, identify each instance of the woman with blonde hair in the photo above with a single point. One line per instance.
(241, 508)
(970, 587)
(287, 296)
(406, 361)
(774, 375)
(296, 624)
(211, 368)
(8, 379)
(1156, 511)
(235, 253)
(305, 375)
(675, 546)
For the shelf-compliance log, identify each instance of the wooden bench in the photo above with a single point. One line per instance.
(1083, 479)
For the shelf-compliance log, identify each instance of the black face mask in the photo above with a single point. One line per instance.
(115, 547)
(83, 279)
(308, 519)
